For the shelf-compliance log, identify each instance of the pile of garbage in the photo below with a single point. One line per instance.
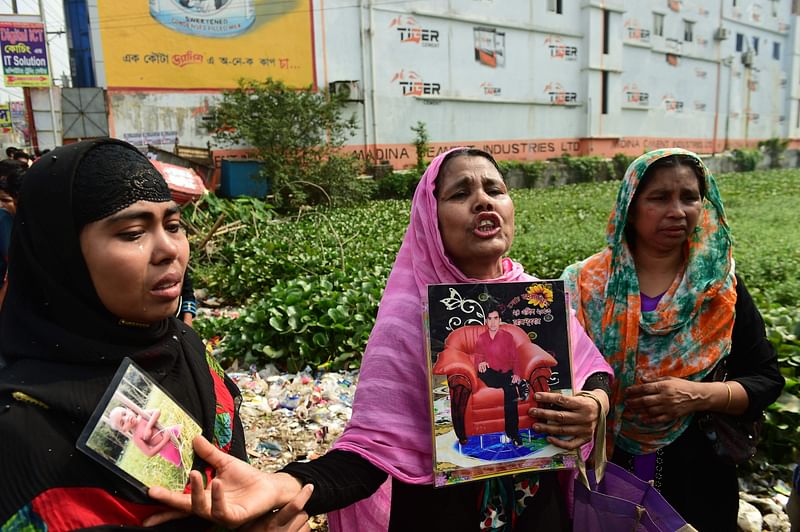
(293, 417)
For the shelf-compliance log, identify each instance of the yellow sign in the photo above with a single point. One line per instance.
(5, 117)
(205, 44)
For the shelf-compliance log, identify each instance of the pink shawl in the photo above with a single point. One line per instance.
(391, 423)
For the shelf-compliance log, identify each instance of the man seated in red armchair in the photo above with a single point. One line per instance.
(500, 359)
(498, 366)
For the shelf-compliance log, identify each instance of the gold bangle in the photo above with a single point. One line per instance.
(728, 404)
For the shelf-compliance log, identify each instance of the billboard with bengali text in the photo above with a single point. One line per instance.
(24, 54)
(205, 44)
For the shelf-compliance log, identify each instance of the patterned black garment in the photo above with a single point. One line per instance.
(62, 348)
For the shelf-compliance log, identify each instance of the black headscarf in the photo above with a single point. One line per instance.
(62, 346)
(52, 308)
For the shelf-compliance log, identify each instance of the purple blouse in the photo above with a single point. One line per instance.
(644, 466)
(649, 304)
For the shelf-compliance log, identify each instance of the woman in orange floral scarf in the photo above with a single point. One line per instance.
(664, 306)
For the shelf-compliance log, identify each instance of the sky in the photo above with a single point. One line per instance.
(54, 15)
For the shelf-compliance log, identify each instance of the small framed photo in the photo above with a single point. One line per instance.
(139, 432)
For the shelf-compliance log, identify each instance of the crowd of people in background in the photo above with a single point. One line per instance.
(12, 170)
(16, 154)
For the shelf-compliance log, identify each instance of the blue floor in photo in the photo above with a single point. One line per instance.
(491, 447)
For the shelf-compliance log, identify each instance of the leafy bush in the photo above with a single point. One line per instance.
(759, 207)
(532, 171)
(781, 436)
(746, 160)
(247, 259)
(206, 210)
(560, 225)
(319, 321)
(587, 169)
(397, 185)
(621, 162)
(331, 182)
(774, 148)
(297, 134)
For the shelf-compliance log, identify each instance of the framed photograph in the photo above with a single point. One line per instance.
(492, 346)
(140, 432)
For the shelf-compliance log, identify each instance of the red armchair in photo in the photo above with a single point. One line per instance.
(475, 407)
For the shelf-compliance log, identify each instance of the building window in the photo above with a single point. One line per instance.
(776, 50)
(755, 45)
(739, 42)
(734, 3)
(554, 6)
(606, 18)
(795, 7)
(604, 95)
(658, 24)
(774, 8)
(688, 31)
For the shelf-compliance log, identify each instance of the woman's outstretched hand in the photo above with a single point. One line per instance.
(574, 417)
(290, 518)
(237, 495)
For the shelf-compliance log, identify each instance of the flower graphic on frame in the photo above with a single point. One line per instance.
(539, 295)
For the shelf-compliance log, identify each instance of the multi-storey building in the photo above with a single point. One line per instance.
(525, 79)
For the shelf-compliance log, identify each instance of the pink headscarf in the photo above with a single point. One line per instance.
(391, 422)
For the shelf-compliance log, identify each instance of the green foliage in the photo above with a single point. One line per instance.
(296, 133)
(202, 215)
(774, 148)
(288, 275)
(532, 171)
(587, 169)
(620, 162)
(421, 144)
(560, 225)
(759, 206)
(781, 436)
(397, 185)
(249, 259)
(746, 160)
(319, 321)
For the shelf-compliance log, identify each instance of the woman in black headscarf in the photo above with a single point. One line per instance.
(97, 259)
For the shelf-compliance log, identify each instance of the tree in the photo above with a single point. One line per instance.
(297, 133)
(421, 143)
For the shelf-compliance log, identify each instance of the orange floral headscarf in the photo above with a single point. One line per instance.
(687, 334)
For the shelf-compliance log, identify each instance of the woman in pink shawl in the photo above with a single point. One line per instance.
(379, 474)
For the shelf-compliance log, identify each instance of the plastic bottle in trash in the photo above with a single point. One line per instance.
(290, 401)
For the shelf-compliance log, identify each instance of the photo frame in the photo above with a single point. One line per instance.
(140, 433)
(479, 417)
